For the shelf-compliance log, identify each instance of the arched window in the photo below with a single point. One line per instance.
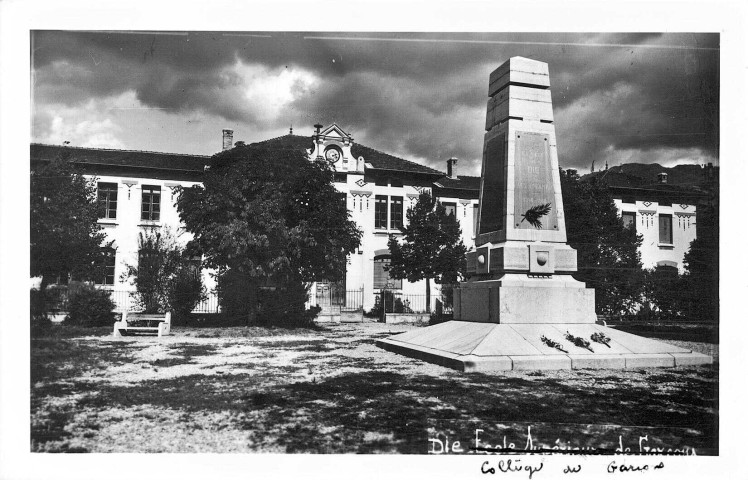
(382, 277)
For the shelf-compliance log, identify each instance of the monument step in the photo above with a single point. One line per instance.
(477, 346)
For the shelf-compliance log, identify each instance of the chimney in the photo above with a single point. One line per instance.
(228, 139)
(451, 167)
(662, 177)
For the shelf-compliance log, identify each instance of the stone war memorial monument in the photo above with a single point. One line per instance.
(520, 308)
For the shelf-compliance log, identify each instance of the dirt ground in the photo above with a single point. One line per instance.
(332, 390)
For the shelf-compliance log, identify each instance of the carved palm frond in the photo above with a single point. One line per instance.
(534, 214)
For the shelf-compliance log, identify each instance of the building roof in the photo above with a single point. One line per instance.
(378, 160)
(121, 158)
(462, 182)
(195, 163)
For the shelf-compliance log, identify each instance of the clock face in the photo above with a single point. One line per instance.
(332, 155)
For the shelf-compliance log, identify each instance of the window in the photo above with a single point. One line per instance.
(109, 261)
(476, 209)
(380, 211)
(629, 219)
(666, 229)
(107, 198)
(151, 209)
(451, 209)
(396, 213)
(382, 278)
(148, 263)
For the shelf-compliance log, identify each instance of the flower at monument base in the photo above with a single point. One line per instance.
(600, 337)
(551, 343)
(579, 341)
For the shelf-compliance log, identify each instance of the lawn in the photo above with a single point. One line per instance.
(331, 390)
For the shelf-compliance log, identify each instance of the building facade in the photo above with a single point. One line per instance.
(664, 215)
(137, 193)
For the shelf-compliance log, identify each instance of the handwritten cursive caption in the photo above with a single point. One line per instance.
(483, 443)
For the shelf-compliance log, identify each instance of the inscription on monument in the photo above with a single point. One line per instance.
(533, 181)
(492, 195)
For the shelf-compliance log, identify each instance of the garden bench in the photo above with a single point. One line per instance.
(143, 323)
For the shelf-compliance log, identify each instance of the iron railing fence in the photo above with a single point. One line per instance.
(398, 302)
(124, 300)
(354, 300)
(333, 301)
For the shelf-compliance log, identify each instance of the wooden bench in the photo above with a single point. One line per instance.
(143, 323)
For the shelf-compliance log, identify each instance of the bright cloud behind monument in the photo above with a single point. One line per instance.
(617, 97)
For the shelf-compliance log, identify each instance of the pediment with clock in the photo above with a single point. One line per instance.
(333, 145)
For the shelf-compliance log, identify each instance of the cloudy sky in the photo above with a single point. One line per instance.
(617, 97)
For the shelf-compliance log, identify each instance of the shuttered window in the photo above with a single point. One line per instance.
(382, 277)
(666, 229)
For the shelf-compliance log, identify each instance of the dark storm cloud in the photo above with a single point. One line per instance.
(418, 95)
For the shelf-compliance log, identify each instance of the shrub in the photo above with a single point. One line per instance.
(663, 294)
(399, 307)
(184, 292)
(39, 320)
(232, 287)
(281, 306)
(389, 303)
(90, 307)
(38, 301)
(284, 307)
(166, 277)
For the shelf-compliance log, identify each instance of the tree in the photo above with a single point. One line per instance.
(662, 294)
(701, 262)
(166, 279)
(432, 247)
(66, 238)
(608, 255)
(269, 218)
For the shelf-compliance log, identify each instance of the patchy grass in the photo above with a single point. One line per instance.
(331, 390)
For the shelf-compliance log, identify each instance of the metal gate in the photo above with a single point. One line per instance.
(337, 304)
(330, 298)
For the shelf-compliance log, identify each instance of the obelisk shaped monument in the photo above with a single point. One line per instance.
(521, 269)
(520, 308)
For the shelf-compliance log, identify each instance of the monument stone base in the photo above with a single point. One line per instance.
(520, 298)
(481, 346)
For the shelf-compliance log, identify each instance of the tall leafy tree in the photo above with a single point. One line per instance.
(432, 247)
(66, 238)
(608, 258)
(269, 217)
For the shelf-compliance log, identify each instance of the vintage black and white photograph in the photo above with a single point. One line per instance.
(440, 243)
